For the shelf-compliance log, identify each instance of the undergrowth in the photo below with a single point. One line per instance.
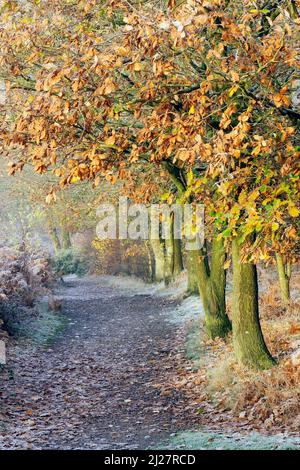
(194, 345)
(268, 399)
(41, 329)
(70, 261)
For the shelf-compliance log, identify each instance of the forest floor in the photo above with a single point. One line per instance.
(115, 377)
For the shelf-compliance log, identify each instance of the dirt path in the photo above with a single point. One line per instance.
(94, 388)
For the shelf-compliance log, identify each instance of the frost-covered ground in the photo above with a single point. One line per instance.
(189, 311)
(205, 440)
(189, 308)
(98, 384)
(109, 365)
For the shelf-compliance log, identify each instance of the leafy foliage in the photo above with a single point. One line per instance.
(69, 261)
(209, 87)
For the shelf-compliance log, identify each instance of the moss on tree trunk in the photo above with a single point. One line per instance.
(177, 253)
(212, 285)
(249, 345)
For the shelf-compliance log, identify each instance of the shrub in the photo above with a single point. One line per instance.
(69, 261)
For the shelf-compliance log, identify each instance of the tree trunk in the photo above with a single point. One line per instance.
(169, 259)
(151, 266)
(159, 259)
(218, 273)
(192, 260)
(54, 238)
(173, 254)
(177, 253)
(212, 285)
(284, 274)
(248, 341)
(65, 238)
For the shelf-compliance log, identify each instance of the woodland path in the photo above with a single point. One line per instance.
(95, 387)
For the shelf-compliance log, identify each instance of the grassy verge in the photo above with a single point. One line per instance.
(201, 440)
(42, 329)
(193, 345)
(267, 400)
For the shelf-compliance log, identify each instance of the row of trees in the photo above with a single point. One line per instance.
(27, 219)
(204, 91)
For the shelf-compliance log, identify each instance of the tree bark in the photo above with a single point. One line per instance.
(159, 259)
(151, 265)
(65, 238)
(177, 253)
(192, 260)
(169, 259)
(284, 275)
(212, 285)
(248, 341)
(173, 254)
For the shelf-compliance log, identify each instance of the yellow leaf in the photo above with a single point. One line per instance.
(233, 90)
(256, 150)
(122, 51)
(137, 67)
(74, 179)
(192, 110)
(30, 99)
(293, 211)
